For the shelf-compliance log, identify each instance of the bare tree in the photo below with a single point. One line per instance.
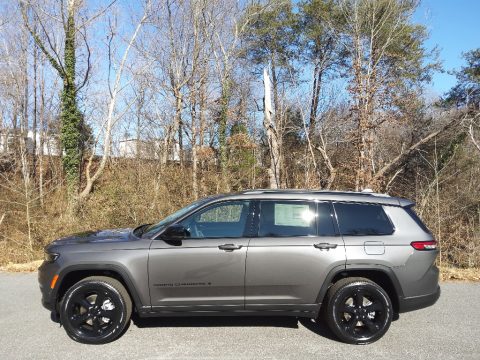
(112, 116)
(272, 135)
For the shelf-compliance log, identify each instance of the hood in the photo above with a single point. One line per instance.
(101, 236)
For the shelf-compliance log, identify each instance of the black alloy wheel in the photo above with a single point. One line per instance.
(358, 310)
(96, 310)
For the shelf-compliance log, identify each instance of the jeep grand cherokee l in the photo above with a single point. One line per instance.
(355, 259)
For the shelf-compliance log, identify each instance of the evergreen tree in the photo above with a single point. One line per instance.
(467, 90)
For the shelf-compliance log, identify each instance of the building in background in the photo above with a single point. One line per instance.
(11, 141)
(149, 150)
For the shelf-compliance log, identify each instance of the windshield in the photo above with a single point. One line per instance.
(151, 230)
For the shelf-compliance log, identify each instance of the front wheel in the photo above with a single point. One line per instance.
(96, 310)
(358, 310)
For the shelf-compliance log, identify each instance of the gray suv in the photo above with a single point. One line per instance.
(353, 259)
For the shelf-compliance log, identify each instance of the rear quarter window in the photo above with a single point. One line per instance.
(362, 219)
(415, 217)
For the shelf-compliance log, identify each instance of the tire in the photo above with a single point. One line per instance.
(358, 311)
(96, 310)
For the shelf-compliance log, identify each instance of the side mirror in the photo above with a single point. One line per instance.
(175, 232)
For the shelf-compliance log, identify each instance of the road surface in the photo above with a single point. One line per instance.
(448, 330)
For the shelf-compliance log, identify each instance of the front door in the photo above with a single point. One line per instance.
(205, 271)
(287, 262)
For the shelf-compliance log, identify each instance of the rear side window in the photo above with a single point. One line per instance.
(362, 219)
(287, 218)
(415, 217)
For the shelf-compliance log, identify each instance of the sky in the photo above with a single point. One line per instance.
(455, 27)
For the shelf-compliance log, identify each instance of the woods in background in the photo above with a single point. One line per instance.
(114, 113)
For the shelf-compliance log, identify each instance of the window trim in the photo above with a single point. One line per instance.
(362, 203)
(333, 217)
(257, 219)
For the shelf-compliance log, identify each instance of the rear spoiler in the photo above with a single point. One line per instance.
(405, 203)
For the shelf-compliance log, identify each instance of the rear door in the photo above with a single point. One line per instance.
(295, 248)
(205, 271)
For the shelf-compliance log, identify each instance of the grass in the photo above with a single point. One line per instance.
(23, 267)
(451, 274)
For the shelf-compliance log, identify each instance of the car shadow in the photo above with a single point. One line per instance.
(317, 327)
(216, 321)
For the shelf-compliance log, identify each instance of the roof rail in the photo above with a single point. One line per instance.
(366, 192)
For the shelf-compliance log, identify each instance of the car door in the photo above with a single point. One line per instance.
(205, 270)
(295, 248)
(368, 235)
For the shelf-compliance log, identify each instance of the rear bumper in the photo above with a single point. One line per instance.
(418, 302)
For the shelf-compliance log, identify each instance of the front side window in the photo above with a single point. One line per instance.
(153, 229)
(223, 220)
(362, 219)
(287, 218)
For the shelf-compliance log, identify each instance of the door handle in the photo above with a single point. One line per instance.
(325, 246)
(230, 247)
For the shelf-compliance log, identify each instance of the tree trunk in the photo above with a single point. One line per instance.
(70, 115)
(178, 125)
(274, 170)
(194, 129)
(278, 126)
(222, 132)
(42, 139)
(34, 120)
(317, 81)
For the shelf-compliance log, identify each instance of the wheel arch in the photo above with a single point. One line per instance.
(382, 275)
(72, 274)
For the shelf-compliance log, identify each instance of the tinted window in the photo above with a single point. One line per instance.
(225, 219)
(151, 230)
(325, 220)
(287, 218)
(362, 219)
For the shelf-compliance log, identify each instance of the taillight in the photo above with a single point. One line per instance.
(424, 245)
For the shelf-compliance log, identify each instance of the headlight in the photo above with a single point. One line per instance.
(50, 257)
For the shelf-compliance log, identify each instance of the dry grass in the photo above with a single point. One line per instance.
(25, 267)
(449, 274)
(132, 193)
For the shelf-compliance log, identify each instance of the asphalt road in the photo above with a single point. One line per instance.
(448, 330)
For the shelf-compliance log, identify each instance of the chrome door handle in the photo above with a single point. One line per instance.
(325, 246)
(230, 247)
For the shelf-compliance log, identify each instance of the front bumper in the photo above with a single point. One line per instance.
(418, 302)
(46, 272)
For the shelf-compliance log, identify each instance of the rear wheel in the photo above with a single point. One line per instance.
(358, 310)
(96, 310)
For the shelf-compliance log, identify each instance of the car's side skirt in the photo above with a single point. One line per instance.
(158, 311)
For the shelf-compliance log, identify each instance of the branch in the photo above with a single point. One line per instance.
(404, 155)
(97, 15)
(87, 72)
(111, 111)
(472, 137)
(55, 64)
